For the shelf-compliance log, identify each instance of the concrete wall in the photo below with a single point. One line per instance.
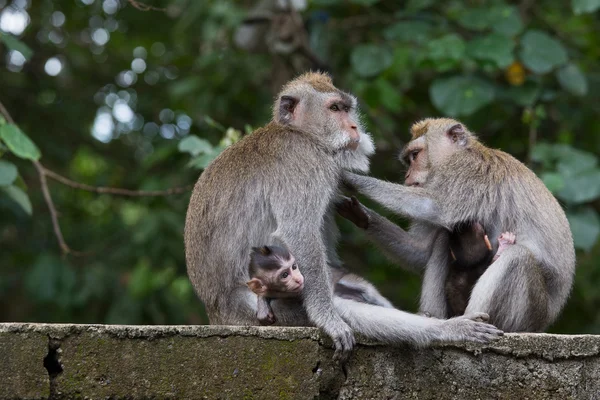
(40, 361)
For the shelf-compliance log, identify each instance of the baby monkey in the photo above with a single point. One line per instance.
(274, 274)
(471, 252)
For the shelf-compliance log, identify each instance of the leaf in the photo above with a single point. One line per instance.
(19, 143)
(448, 47)
(475, 19)
(524, 95)
(582, 187)
(417, 5)
(8, 173)
(505, 20)
(572, 80)
(409, 31)
(370, 60)
(585, 226)
(493, 47)
(194, 145)
(389, 96)
(584, 6)
(541, 53)
(202, 161)
(19, 196)
(460, 95)
(553, 181)
(12, 43)
(364, 2)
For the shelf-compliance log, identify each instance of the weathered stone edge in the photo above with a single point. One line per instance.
(546, 346)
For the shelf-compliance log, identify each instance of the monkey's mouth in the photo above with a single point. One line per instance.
(297, 288)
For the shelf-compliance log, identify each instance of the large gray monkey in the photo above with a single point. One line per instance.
(453, 179)
(277, 186)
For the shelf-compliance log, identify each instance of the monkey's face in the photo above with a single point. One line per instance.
(415, 156)
(277, 277)
(434, 141)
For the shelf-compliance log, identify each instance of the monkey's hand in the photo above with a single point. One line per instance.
(470, 327)
(342, 336)
(352, 210)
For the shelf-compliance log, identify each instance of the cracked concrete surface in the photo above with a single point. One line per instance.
(61, 361)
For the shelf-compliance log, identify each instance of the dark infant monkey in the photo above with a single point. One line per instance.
(275, 274)
(470, 250)
(471, 253)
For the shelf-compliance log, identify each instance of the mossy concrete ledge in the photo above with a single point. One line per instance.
(48, 361)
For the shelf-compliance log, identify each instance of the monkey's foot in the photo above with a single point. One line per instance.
(505, 240)
(268, 319)
(470, 327)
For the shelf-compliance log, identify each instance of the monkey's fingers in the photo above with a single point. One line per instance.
(487, 242)
(344, 344)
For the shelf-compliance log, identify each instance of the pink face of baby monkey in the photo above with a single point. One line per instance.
(274, 273)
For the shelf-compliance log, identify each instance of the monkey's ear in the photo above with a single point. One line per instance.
(256, 285)
(287, 105)
(458, 134)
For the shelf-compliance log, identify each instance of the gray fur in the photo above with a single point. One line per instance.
(525, 289)
(276, 186)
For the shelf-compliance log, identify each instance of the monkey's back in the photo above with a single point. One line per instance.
(231, 207)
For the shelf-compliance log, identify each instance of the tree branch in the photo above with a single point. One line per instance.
(113, 190)
(43, 172)
(145, 7)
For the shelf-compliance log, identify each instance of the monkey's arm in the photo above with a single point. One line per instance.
(412, 202)
(410, 249)
(299, 228)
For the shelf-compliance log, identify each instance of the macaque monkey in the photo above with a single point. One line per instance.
(453, 179)
(277, 185)
(274, 274)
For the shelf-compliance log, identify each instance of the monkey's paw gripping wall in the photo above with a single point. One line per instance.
(45, 361)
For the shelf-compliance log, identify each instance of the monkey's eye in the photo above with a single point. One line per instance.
(413, 155)
(346, 108)
(295, 266)
(285, 275)
(334, 107)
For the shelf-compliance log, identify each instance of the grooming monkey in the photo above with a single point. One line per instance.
(454, 179)
(277, 185)
(274, 274)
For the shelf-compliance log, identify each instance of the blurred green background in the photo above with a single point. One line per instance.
(116, 93)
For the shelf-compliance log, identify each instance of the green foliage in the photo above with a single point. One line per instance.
(541, 53)
(14, 44)
(370, 60)
(8, 173)
(525, 78)
(18, 143)
(461, 95)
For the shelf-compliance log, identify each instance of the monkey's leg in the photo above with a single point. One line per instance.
(433, 291)
(390, 325)
(513, 292)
